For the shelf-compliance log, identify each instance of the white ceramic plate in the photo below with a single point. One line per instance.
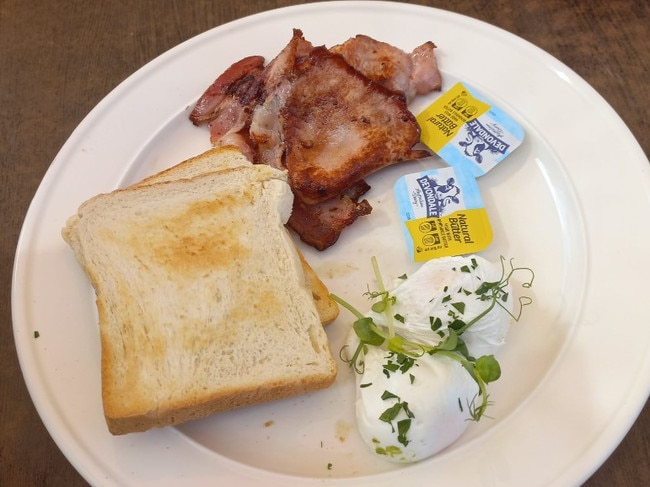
(571, 203)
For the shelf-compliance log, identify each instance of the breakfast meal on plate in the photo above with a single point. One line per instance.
(329, 117)
(203, 300)
(425, 353)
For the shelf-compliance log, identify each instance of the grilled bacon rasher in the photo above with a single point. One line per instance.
(330, 117)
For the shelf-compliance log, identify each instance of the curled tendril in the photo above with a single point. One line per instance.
(505, 280)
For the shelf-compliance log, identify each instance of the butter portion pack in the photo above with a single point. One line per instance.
(442, 213)
(468, 131)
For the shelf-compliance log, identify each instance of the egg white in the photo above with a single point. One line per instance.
(438, 394)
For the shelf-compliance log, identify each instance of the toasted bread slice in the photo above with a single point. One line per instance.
(227, 157)
(202, 298)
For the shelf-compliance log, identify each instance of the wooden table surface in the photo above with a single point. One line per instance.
(59, 59)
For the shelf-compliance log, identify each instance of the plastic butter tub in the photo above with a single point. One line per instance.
(442, 213)
(468, 131)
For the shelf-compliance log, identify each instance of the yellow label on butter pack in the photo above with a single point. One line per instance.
(462, 232)
(443, 213)
(444, 118)
(468, 131)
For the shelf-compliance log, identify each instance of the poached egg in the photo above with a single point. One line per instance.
(435, 393)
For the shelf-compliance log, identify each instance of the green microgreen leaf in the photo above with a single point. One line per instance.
(366, 330)
(488, 368)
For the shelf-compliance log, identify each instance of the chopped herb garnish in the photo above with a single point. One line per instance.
(436, 323)
(459, 306)
(391, 414)
(457, 325)
(390, 367)
(403, 427)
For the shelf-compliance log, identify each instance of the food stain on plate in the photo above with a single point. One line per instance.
(342, 429)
